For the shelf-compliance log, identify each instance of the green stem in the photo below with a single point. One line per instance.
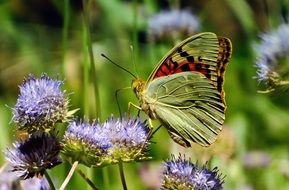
(66, 15)
(85, 86)
(91, 58)
(105, 175)
(68, 177)
(89, 182)
(52, 187)
(121, 173)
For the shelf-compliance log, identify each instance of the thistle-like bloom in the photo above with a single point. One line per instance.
(172, 25)
(34, 155)
(85, 142)
(129, 138)
(9, 180)
(40, 105)
(98, 144)
(183, 174)
(272, 56)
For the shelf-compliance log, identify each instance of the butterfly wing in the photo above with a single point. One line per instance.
(188, 105)
(205, 53)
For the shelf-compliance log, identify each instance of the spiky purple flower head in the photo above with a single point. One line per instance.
(129, 138)
(85, 142)
(273, 56)
(34, 155)
(9, 180)
(99, 144)
(206, 179)
(180, 173)
(41, 104)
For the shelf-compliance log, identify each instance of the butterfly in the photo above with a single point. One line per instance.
(185, 91)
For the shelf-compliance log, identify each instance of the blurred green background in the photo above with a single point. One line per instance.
(50, 36)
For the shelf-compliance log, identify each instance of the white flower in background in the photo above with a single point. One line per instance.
(272, 52)
(172, 24)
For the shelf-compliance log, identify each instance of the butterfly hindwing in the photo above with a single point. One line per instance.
(188, 105)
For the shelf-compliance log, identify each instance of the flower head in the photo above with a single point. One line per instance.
(40, 105)
(272, 56)
(172, 25)
(85, 142)
(99, 144)
(129, 138)
(31, 157)
(9, 180)
(183, 174)
(205, 179)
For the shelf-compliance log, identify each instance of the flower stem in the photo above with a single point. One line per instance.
(105, 175)
(89, 182)
(52, 187)
(65, 29)
(121, 173)
(68, 177)
(93, 73)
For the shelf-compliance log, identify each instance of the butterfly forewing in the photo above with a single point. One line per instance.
(205, 53)
(188, 105)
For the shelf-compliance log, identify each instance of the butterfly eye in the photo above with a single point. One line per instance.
(134, 90)
(134, 85)
(137, 85)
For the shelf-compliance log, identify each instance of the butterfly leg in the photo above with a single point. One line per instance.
(153, 132)
(148, 137)
(130, 104)
(151, 124)
(116, 98)
(266, 91)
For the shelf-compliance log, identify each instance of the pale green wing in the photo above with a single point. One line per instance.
(206, 53)
(188, 105)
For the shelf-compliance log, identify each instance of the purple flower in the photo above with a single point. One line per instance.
(256, 159)
(205, 179)
(32, 156)
(85, 142)
(99, 144)
(40, 105)
(129, 138)
(9, 180)
(182, 174)
(172, 25)
(272, 57)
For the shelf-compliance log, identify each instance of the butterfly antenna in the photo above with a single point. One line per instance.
(133, 58)
(118, 65)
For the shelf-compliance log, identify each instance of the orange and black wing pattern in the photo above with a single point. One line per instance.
(205, 53)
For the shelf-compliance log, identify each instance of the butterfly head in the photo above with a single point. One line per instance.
(138, 86)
